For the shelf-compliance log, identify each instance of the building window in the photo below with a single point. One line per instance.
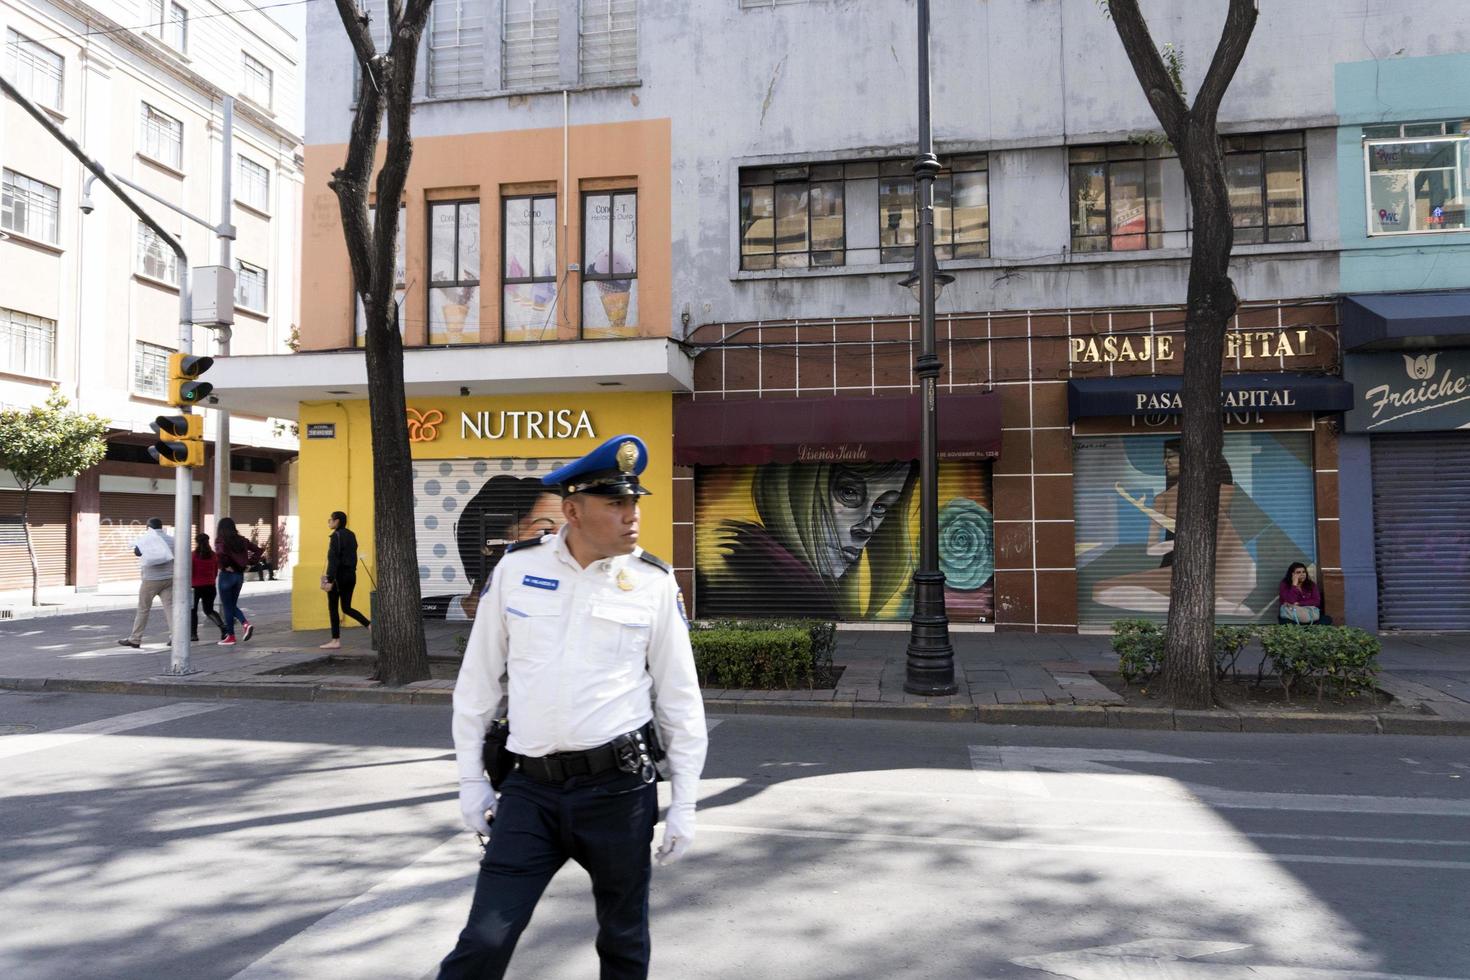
(259, 82)
(609, 41)
(156, 259)
(170, 23)
(1267, 180)
(1118, 196)
(610, 264)
(1418, 185)
(253, 184)
(400, 276)
(27, 344)
(35, 70)
(454, 272)
(859, 213)
(250, 286)
(150, 370)
(29, 207)
(528, 277)
(530, 50)
(457, 47)
(163, 137)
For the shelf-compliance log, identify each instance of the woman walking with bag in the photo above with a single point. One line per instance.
(236, 554)
(340, 578)
(206, 568)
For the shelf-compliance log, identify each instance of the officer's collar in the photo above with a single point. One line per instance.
(607, 566)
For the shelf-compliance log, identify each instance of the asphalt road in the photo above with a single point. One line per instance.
(157, 838)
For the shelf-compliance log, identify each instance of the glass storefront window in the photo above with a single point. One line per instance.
(1417, 185)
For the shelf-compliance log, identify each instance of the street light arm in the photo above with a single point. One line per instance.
(224, 230)
(98, 171)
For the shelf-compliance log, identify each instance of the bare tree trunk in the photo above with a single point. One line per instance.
(1189, 670)
(387, 87)
(25, 524)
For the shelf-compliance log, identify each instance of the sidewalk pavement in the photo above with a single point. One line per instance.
(65, 600)
(1003, 678)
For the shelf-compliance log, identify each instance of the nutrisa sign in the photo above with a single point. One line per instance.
(1409, 391)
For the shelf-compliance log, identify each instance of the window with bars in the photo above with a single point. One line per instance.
(1118, 197)
(253, 184)
(29, 207)
(609, 41)
(859, 213)
(169, 22)
(37, 71)
(250, 286)
(150, 370)
(163, 137)
(155, 259)
(609, 264)
(400, 275)
(454, 272)
(528, 272)
(259, 81)
(530, 50)
(457, 47)
(1266, 176)
(27, 344)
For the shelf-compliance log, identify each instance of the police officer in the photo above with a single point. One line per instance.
(590, 630)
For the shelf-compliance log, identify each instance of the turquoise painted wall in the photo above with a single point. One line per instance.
(1394, 91)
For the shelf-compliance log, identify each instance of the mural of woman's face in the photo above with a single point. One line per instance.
(1171, 463)
(544, 517)
(860, 502)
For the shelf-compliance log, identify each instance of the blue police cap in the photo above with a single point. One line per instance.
(610, 470)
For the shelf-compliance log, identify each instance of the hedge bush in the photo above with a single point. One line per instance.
(753, 658)
(823, 635)
(1343, 658)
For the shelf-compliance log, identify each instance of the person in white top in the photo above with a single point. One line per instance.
(591, 634)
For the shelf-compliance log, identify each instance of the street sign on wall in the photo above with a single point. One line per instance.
(1409, 391)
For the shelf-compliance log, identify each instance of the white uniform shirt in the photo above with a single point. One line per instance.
(589, 652)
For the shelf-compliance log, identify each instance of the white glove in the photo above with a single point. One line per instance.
(476, 799)
(678, 833)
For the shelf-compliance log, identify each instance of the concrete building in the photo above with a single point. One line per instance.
(762, 150)
(89, 300)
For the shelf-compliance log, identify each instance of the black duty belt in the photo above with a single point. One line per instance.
(634, 752)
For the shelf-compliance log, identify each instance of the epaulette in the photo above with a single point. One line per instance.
(526, 543)
(655, 561)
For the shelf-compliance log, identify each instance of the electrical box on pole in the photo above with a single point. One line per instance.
(214, 295)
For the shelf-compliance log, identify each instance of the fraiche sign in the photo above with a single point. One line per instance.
(1413, 391)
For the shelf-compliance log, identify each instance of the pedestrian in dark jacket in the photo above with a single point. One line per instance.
(236, 554)
(340, 577)
(206, 568)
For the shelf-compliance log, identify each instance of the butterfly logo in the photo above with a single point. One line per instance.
(424, 427)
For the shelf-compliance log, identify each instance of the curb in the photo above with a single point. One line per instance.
(1060, 716)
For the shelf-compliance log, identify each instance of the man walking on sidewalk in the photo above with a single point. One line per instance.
(155, 551)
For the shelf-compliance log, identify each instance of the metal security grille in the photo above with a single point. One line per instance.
(150, 370)
(1421, 519)
(609, 41)
(123, 517)
(27, 344)
(457, 47)
(530, 50)
(49, 517)
(1124, 509)
(255, 518)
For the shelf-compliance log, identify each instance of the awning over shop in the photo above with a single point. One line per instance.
(837, 429)
(1279, 392)
(1388, 321)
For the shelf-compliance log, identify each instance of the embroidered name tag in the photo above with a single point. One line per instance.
(550, 584)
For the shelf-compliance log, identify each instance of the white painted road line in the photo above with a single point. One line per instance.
(1177, 959)
(401, 927)
(1095, 849)
(15, 745)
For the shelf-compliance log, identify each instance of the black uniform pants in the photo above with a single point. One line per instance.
(341, 593)
(605, 824)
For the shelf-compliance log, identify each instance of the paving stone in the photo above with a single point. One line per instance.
(1008, 697)
(1031, 695)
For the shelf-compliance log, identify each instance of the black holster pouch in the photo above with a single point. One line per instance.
(497, 759)
(639, 752)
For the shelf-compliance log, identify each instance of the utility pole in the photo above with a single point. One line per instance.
(223, 330)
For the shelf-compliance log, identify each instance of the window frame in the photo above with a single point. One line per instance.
(610, 275)
(1462, 168)
(146, 151)
(478, 283)
(252, 70)
(505, 280)
(615, 73)
(1261, 154)
(539, 75)
(240, 299)
(806, 180)
(400, 284)
(142, 348)
(15, 44)
(462, 86)
(145, 237)
(241, 162)
(15, 331)
(1167, 152)
(49, 205)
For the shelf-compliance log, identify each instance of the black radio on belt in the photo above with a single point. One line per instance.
(497, 759)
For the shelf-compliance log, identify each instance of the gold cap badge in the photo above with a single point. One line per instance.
(627, 456)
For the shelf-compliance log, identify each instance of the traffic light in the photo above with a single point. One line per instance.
(182, 370)
(180, 440)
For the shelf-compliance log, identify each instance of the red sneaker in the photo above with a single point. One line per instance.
(228, 641)
(245, 635)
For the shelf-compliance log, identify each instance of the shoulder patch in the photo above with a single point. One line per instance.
(655, 561)
(525, 543)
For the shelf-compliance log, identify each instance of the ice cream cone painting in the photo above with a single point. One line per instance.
(610, 284)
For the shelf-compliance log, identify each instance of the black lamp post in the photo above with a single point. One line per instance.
(930, 668)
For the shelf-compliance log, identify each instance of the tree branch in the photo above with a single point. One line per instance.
(1240, 24)
(355, 22)
(1168, 105)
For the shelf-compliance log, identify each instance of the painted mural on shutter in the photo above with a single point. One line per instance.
(49, 517)
(123, 517)
(1421, 518)
(838, 540)
(1125, 490)
(465, 512)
